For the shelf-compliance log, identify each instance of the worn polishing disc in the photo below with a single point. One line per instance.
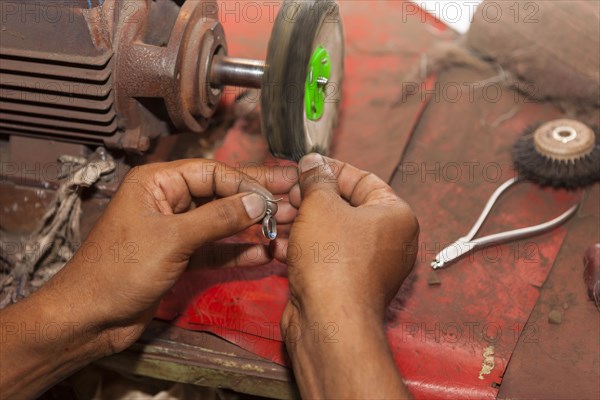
(564, 154)
(302, 83)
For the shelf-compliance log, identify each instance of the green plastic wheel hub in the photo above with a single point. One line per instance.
(319, 72)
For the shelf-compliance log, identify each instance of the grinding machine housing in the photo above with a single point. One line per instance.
(119, 74)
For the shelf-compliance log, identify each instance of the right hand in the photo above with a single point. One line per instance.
(351, 246)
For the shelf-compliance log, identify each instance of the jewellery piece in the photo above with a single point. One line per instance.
(269, 226)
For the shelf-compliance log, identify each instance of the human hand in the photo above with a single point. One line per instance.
(352, 244)
(142, 243)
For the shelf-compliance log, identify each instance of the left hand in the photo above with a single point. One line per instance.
(142, 243)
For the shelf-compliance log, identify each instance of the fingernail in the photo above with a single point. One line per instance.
(255, 205)
(312, 161)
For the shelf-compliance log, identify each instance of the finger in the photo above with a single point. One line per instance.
(206, 178)
(220, 219)
(174, 184)
(360, 187)
(278, 249)
(295, 196)
(286, 213)
(230, 255)
(356, 186)
(212, 178)
(316, 176)
(277, 180)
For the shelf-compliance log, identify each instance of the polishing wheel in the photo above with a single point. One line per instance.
(563, 153)
(564, 139)
(300, 81)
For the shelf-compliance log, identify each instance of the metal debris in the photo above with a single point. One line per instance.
(555, 317)
(434, 279)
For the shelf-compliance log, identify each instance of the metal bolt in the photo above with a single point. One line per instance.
(322, 81)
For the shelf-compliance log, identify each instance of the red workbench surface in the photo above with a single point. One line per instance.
(445, 153)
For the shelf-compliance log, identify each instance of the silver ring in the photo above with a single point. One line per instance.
(269, 226)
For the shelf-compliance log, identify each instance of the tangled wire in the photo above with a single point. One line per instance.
(30, 261)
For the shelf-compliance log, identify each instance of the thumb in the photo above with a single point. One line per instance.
(316, 174)
(221, 218)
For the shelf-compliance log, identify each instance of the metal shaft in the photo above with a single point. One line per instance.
(230, 71)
